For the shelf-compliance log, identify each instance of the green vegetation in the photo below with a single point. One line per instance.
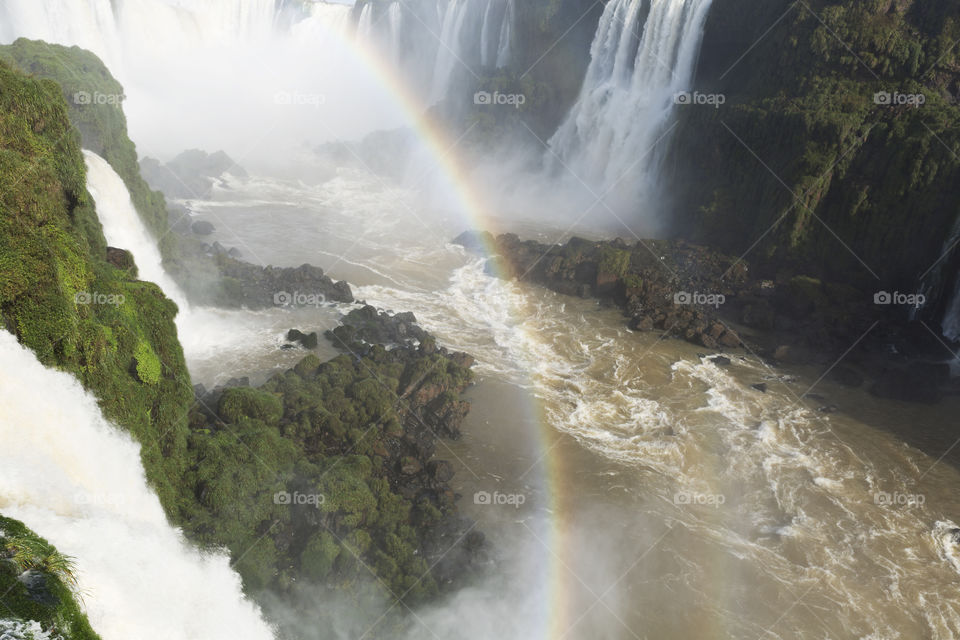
(336, 430)
(298, 476)
(49, 597)
(824, 101)
(61, 297)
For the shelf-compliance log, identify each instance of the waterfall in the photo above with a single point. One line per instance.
(76, 480)
(235, 75)
(475, 35)
(123, 228)
(643, 54)
(434, 43)
(98, 25)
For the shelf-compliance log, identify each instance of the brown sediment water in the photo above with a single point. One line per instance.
(663, 496)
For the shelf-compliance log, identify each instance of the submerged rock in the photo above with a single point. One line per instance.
(306, 340)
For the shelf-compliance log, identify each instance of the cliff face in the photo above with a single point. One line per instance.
(65, 298)
(222, 461)
(835, 152)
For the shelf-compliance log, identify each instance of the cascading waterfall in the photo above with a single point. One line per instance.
(202, 331)
(220, 74)
(98, 25)
(76, 480)
(123, 228)
(475, 35)
(642, 56)
(436, 42)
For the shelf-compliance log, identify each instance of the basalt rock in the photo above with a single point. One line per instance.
(306, 340)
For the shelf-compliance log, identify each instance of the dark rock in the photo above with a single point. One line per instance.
(202, 227)
(830, 408)
(729, 339)
(38, 587)
(306, 340)
(760, 386)
(440, 470)
(720, 361)
(122, 259)
(410, 466)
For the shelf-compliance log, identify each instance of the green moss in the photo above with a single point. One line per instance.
(55, 605)
(148, 365)
(319, 556)
(841, 180)
(613, 261)
(242, 402)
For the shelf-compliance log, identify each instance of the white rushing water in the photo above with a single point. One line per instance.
(123, 228)
(642, 56)
(240, 75)
(436, 42)
(76, 480)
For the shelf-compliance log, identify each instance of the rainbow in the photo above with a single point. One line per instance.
(555, 619)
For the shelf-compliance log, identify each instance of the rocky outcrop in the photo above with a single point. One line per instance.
(705, 297)
(361, 434)
(39, 588)
(834, 153)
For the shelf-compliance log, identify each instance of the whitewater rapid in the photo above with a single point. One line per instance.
(802, 490)
(76, 480)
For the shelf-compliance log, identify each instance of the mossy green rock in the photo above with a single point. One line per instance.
(36, 585)
(812, 164)
(64, 300)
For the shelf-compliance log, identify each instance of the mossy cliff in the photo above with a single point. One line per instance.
(61, 296)
(359, 431)
(94, 101)
(37, 582)
(823, 159)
